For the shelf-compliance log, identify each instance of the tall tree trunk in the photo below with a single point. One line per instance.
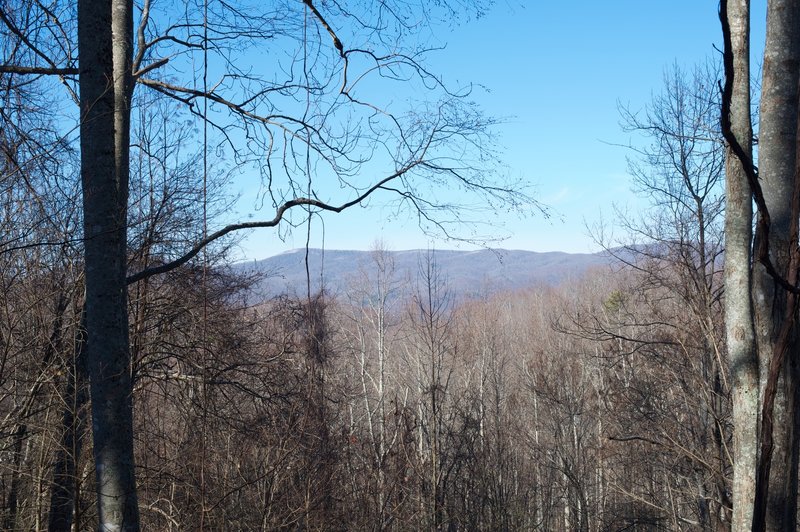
(777, 149)
(105, 44)
(739, 332)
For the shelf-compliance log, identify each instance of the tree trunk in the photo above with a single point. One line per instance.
(777, 148)
(105, 44)
(738, 308)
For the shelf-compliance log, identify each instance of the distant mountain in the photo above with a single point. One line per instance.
(468, 273)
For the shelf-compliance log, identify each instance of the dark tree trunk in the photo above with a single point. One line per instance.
(105, 43)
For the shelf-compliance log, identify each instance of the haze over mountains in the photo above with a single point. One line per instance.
(468, 273)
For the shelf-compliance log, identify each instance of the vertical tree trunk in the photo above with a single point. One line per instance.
(105, 44)
(777, 148)
(738, 236)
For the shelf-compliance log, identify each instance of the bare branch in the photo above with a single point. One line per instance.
(21, 35)
(336, 42)
(151, 66)
(279, 214)
(46, 71)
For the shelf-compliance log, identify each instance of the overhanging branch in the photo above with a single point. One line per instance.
(46, 71)
(279, 214)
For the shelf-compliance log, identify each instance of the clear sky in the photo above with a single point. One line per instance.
(558, 71)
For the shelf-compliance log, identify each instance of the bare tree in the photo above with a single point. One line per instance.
(664, 323)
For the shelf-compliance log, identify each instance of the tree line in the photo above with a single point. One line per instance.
(391, 407)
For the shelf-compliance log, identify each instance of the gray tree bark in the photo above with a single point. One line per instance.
(105, 43)
(777, 151)
(774, 271)
(738, 308)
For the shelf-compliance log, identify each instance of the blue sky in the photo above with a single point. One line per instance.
(557, 71)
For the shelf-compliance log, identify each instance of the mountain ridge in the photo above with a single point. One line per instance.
(467, 273)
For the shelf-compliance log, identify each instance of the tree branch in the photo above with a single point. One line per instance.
(151, 66)
(336, 42)
(634, 438)
(47, 71)
(279, 214)
(24, 38)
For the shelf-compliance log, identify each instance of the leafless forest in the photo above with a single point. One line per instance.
(144, 385)
(599, 405)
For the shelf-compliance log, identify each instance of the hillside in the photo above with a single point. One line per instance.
(468, 273)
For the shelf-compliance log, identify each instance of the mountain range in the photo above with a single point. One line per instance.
(467, 273)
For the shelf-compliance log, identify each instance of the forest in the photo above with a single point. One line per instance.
(144, 384)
